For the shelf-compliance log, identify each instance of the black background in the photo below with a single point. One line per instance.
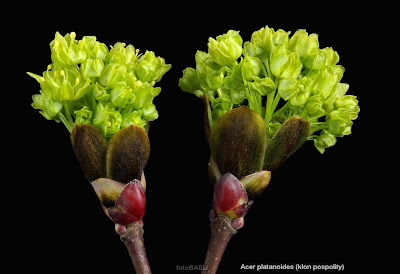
(305, 216)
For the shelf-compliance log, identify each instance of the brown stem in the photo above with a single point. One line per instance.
(133, 240)
(221, 233)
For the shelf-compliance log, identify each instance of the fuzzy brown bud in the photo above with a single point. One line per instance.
(291, 135)
(238, 142)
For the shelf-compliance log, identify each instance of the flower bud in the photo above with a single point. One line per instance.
(130, 204)
(339, 122)
(59, 50)
(303, 44)
(266, 39)
(134, 117)
(288, 88)
(189, 81)
(66, 51)
(99, 50)
(107, 119)
(315, 60)
(151, 68)
(214, 80)
(314, 106)
(92, 68)
(144, 94)
(251, 68)
(348, 102)
(285, 64)
(121, 95)
(117, 54)
(112, 74)
(263, 86)
(324, 140)
(227, 48)
(48, 106)
(230, 197)
(150, 112)
(83, 115)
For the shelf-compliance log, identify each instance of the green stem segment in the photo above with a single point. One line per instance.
(65, 121)
(221, 233)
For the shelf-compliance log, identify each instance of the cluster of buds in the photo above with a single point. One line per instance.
(88, 83)
(288, 81)
(115, 169)
(241, 158)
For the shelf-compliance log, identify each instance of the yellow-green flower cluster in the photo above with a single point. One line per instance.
(89, 83)
(270, 67)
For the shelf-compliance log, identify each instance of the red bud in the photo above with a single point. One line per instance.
(130, 205)
(230, 197)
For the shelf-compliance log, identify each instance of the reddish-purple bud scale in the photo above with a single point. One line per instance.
(120, 229)
(230, 197)
(238, 223)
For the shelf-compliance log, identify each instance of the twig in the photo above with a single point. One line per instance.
(221, 233)
(133, 240)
